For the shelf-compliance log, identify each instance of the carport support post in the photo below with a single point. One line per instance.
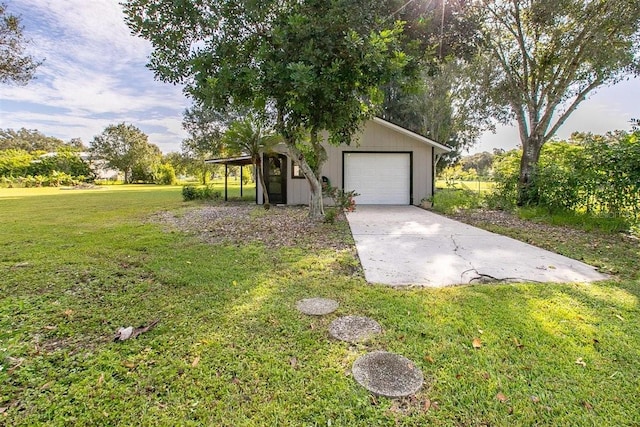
(241, 181)
(226, 175)
(434, 164)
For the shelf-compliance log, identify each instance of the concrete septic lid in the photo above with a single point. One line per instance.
(353, 328)
(317, 306)
(387, 374)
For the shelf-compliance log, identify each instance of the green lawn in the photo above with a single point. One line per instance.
(230, 349)
(477, 186)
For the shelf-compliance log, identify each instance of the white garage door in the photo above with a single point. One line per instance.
(379, 178)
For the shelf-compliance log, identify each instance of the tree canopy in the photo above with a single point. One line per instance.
(312, 66)
(15, 65)
(438, 100)
(30, 140)
(127, 149)
(205, 127)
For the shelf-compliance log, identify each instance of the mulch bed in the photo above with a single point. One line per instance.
(239, 224)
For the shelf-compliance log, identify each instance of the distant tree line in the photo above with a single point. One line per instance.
(29, 158)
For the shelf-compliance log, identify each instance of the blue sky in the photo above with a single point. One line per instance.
(94, 75)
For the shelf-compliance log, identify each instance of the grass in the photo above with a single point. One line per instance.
(233, 188)
(476, 186)
(450, 200)
(230, 349)
(584, 221)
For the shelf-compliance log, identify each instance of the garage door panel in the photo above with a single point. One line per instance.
(379, 178)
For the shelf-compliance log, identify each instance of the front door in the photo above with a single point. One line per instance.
(275, 176)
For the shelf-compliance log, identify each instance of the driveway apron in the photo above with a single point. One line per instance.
(407, 245)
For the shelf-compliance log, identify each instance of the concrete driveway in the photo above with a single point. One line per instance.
(406, 245)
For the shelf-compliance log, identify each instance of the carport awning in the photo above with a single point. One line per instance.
(233, 161)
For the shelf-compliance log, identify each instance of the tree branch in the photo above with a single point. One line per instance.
(581, 97)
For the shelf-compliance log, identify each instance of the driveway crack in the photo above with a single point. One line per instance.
(456, 250)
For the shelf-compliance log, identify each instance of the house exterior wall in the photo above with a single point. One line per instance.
(375, 137)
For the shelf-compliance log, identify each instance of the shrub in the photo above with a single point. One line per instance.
(64, 160)
(208, 193)
(166, 175)
(343, 200)
(14, 162)
(191, 192)
(589, 173)
(55, 179)
(505, 171)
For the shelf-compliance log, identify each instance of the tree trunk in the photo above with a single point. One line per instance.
(316, 208)
(204, 175)
(258, 165)
(527, 192)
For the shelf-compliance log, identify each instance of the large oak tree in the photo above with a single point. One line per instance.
(127, 149)
(315, 64)
(545, 57)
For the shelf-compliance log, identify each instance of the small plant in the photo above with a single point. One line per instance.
(427, 202)
(343, 200)
(189, 192)
(330, 216)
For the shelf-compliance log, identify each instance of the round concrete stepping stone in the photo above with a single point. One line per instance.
(317, 306)
(354, 328)
(387, 374)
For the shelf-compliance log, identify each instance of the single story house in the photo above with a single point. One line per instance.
(385, 164)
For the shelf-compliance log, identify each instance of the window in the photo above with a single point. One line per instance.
(296, 172)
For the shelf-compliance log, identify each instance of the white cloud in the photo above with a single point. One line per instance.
(99, 24)
(94, 74)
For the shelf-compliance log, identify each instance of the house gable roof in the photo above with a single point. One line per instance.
(440, 148)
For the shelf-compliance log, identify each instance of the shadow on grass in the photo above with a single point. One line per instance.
(231, 349)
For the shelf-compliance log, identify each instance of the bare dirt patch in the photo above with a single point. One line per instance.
(239, 224)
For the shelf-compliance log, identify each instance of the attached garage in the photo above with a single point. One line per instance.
(380, 178)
